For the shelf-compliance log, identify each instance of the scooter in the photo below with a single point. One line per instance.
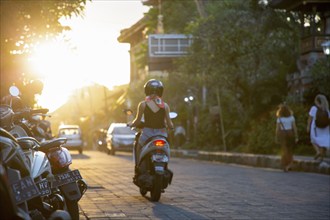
(14, 173)
(152, 173)
(60, 188)
(100, 140)
(17, 188)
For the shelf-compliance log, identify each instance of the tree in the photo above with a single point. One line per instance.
(244, 49)
(23, 25)
(321, 76)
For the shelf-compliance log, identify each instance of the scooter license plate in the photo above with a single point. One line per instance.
(24, 189)
(65, 178)
(160, 158)
(159, 168)
(44, 187)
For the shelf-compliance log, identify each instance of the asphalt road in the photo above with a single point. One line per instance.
(201, 190)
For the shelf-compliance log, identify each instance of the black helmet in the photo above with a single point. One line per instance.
(153, 87)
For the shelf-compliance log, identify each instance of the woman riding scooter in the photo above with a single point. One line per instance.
(156, 115)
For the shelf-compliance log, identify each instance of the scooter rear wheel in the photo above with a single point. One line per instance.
(156, 188)
(143, 192)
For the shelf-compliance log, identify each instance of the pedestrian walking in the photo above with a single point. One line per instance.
(179, 135)
(286, 135)
(318, 126)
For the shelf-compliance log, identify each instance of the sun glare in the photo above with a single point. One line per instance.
(55, 64)
(50, 59)
(88, 54)
(64, 70)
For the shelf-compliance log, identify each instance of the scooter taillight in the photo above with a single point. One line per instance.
(59, 157)
(159, 143)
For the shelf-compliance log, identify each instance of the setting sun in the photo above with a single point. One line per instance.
(88, 54)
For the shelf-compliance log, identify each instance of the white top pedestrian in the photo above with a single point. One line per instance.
(319, 136)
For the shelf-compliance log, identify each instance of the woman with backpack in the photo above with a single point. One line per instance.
(286, 135)
(318, 126)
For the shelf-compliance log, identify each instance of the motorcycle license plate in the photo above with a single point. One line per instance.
(44, 187)
(24, 189)
(65, 178)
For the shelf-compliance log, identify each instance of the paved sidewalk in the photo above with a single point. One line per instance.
(301, 163)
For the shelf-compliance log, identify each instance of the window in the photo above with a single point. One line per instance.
(169, 45)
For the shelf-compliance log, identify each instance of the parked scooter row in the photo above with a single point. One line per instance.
(37, 173)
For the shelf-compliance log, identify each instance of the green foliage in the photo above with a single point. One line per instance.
(177, 14)
(261, 134)
(240, 54)
(24, 24)
(321, 76)
(27, 22)
(229, 51)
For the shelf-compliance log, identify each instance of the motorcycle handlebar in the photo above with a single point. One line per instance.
(29, 112)
(41, 111)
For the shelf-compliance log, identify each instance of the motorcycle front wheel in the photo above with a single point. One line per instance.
(156, 188)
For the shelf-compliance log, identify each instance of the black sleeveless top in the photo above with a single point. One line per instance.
(154, 120)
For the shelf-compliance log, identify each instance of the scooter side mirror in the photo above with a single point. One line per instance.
(128, 111)
(14, 91)
(173, 115)
(129, 115)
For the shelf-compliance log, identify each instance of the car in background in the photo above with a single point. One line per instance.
(119, 137)
(73, 135)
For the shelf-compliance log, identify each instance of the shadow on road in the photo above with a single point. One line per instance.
(160, 208)
(124, 155)
(79, 156)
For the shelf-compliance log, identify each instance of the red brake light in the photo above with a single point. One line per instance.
(159, 143)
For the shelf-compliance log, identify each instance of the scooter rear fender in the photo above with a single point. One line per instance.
(71, 191)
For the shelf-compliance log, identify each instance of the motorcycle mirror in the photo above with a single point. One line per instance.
(173, 115)
(129, 115)
(128, 111)
(14, 91)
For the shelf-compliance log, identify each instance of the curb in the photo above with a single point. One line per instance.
(301, 164)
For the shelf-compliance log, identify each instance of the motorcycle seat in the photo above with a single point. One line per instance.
(6, 134)
(46, 145)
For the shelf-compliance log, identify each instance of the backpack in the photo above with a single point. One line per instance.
(322, 119)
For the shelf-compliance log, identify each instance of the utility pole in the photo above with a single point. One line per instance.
(160, 25)
(221, 122)
(105, 101)
(200, 4)
(201, 7)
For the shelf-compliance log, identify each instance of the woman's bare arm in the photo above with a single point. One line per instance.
(140, 110)
(309, 122)
(167, 117)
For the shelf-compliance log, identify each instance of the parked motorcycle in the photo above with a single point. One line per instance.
(14, 174)
(40, 127)
(17, 188)
(152, 172)
(60, 188)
